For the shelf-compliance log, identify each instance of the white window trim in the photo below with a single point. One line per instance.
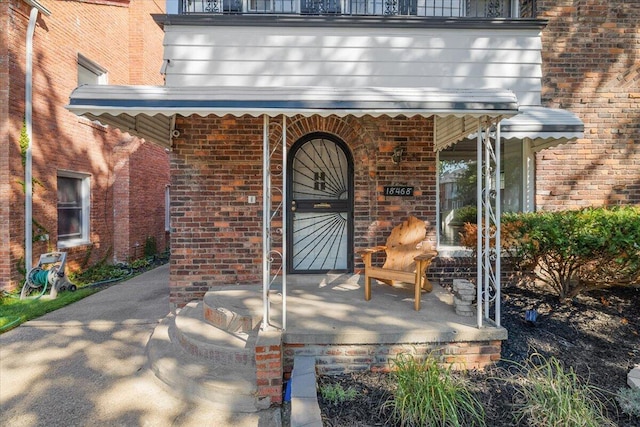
(86, 209)
(94, 67)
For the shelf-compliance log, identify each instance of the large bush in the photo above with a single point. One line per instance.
(573, 251)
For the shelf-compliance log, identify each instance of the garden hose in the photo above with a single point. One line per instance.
(8, 325)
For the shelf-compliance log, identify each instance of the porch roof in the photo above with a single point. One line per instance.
(148, 111)
(546, 127)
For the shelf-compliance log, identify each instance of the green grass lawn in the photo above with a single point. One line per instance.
(14, 311)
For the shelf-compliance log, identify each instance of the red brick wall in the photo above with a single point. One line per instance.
(217, 163)
(149, 176)
(5, 187)
(591, 66)
(141, 174)
(61, 140)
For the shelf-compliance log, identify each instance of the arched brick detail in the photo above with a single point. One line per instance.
(363, 149)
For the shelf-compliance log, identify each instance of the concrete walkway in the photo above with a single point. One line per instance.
(85, 365)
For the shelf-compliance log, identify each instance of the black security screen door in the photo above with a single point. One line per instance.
(320, 200)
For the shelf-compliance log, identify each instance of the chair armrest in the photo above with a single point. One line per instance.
(366, 254)
(375, 249)
(426, 256)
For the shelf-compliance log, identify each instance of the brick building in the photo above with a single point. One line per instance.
(97, 193)
(303, 130)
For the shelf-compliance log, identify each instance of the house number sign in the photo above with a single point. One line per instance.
(398, 190)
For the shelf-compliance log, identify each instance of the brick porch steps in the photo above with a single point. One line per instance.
(205, 362)
(223, 347)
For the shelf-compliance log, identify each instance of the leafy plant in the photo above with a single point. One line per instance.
(23, 142)
(428, 395)
(629, 400)
(99, 273)
(336, 394)
(553, 396)
(140, 263)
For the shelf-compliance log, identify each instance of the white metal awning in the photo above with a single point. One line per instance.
(545, 127)
(148, 111)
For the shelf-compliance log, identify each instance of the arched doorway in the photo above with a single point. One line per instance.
(320, 202)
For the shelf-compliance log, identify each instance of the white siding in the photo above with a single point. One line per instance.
(360, 57)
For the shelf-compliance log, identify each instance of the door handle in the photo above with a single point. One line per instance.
(321, 205)
(293, 206)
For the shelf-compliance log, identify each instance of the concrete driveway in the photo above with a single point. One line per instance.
(85, 365)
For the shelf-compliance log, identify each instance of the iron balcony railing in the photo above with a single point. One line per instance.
(425, 8)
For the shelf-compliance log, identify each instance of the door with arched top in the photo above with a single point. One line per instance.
(320, 203)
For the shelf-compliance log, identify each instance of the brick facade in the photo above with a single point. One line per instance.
(216, 164)
(591, 66)
(63, 142)
(334, 359)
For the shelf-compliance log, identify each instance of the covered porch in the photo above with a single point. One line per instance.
(325, 316)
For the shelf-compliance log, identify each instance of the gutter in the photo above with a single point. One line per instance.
(36, 8)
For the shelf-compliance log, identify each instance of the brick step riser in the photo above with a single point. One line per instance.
(219, 355)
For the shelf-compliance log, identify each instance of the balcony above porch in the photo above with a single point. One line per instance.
(485, 9)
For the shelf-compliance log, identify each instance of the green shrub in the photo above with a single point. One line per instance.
(428, 395)
(573, 251)
(629, 400)
(553, 396)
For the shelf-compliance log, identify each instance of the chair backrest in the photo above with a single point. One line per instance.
(406, 241)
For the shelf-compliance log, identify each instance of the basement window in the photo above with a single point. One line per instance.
(73, 209)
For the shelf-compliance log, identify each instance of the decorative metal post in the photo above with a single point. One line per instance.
(269, 213)
(488, 223)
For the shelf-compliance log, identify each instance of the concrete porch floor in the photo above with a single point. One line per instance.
(330, 309)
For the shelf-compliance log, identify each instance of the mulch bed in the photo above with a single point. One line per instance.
(597, 334)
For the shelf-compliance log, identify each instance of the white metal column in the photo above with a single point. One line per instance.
(488, 222)
(269, 213)
(266, 222)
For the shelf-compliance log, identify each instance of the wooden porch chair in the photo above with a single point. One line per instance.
(408, 257)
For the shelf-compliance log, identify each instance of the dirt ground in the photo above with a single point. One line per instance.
(596, 334)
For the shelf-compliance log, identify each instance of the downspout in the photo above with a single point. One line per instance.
(28, 121)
